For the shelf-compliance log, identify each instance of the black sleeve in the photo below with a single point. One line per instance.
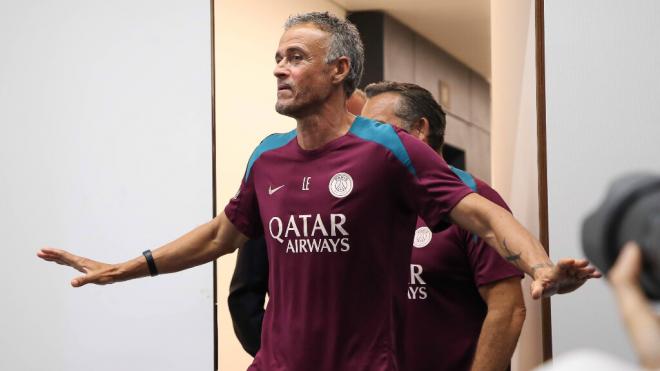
(247, 294)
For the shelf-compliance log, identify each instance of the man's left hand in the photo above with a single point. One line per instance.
(566, 276)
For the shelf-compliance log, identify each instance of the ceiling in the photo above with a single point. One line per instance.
(460, 27)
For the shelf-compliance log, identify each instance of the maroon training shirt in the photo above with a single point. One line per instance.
(338, 222)
(444, 309)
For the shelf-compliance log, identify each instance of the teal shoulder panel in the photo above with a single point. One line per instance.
(465, 178)
(469, 181)
(384, 135)
(271, 142)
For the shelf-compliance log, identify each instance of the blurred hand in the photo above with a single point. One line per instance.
(625, 272)
(95, 272)
(566, 276)
(642, 323)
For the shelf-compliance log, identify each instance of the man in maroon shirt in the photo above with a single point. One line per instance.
(463, 297)
(249, 283)
(337, 199)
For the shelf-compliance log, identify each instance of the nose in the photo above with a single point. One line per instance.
(280, 71)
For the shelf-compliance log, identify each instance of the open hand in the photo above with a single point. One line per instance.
(95, 272)
(566, 276)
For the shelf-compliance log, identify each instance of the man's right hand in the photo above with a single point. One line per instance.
(95, 272)
(203, 244)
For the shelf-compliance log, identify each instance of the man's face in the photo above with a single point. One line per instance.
(382, 108)
(303, 77)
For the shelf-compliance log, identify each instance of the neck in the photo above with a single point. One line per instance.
(330, 122)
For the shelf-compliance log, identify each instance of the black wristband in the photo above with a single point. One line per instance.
(150, 262)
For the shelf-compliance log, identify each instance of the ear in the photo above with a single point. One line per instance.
(341, 69)
(422, 126)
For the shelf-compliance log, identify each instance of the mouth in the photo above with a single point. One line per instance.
(283, 87)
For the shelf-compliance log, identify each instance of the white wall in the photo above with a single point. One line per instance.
(247, 33)
(105, 149)
(602, 121)
(514, 140)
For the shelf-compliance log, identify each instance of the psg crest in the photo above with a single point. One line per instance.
(341, 185)
(422, 237)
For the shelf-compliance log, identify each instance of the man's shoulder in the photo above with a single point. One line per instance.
(465, 177)
(369, 128)
(386, 136)
(479, 186)
(484, 187)
(270, 143)
(275, 140)
(485, 190)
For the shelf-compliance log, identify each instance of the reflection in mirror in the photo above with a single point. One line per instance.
(439, 45)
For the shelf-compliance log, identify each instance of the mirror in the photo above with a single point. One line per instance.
(447, 47)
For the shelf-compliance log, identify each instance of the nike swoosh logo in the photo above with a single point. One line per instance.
(273, 190)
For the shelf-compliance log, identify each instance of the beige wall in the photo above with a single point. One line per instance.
(246, 36)
(514, 141)
(409, 57)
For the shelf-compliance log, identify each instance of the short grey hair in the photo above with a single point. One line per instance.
(344, 42)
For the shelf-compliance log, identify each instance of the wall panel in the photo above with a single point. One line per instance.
(602, 121)
(105, 149)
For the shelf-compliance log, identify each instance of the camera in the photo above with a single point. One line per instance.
(629, 212)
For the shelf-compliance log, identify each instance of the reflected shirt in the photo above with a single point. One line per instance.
(444, 311)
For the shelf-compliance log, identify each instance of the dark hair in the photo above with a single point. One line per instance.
(414, 103)
(344, 42)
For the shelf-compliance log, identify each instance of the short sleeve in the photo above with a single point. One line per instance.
(490, 194)
(431, 187)
(243, 209)
(487, 264)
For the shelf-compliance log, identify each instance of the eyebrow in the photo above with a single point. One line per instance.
(290, 50)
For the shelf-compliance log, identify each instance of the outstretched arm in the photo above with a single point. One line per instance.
(518, 246)
(201, 245)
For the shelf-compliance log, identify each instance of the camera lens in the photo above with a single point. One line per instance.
(629, 212)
